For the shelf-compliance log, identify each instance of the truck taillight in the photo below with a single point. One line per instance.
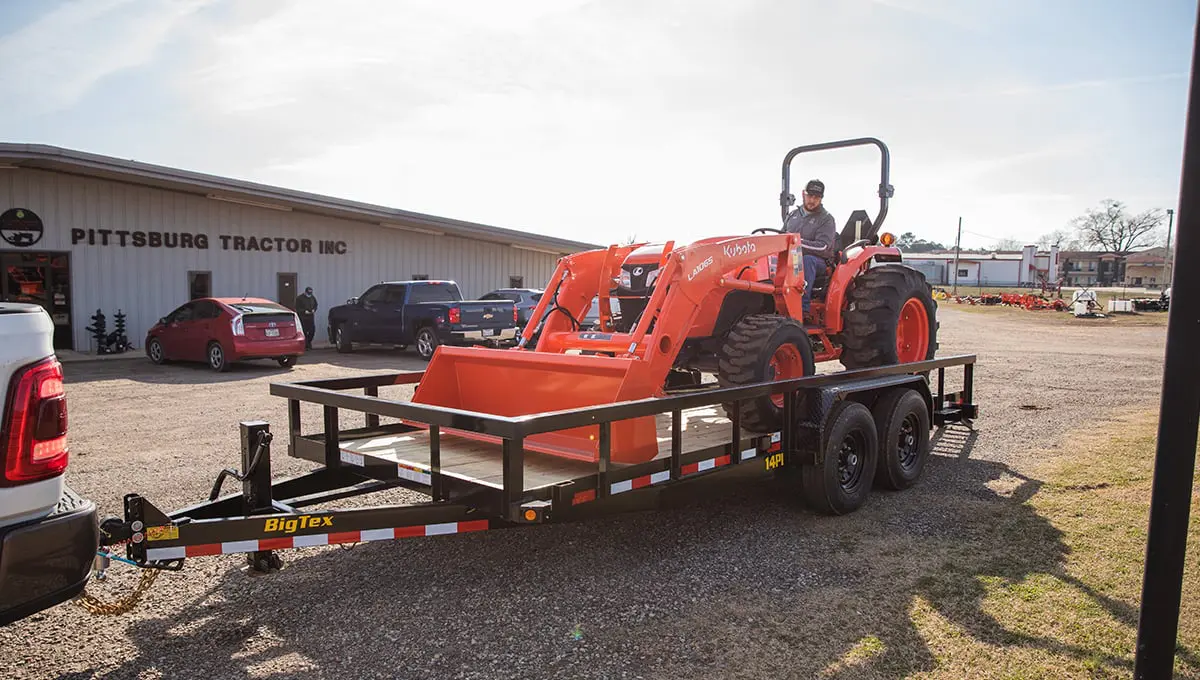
(33, 433)
(515, 317)
(455, 315)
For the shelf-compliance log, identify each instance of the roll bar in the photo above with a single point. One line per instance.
(886, 190)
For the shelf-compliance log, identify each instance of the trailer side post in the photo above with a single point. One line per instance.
(602, 486)
(735, 425)
(676, 444)
(435, 463)
(256, 486)
(294, 432)
(372, 418)
(333, 454)
(514, 476)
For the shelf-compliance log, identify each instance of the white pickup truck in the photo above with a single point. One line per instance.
(48, 534)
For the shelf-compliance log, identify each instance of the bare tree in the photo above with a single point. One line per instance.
(1115, 231)
(1008, 243)
(1061, 238)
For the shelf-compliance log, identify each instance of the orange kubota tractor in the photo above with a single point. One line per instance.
(727, 305)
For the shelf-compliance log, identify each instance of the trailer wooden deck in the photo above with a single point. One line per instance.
(480, 461)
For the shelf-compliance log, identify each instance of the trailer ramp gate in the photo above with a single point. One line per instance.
(475, 486)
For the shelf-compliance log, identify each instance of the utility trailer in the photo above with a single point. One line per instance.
(478, 474)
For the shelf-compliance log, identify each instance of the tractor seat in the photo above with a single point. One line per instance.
(858, 227)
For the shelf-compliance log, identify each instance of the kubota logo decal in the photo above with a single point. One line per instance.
(740, 249)
(289, 526)
(700, 267)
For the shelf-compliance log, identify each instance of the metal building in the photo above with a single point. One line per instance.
(81, 232)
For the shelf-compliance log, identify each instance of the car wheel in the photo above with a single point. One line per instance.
(288, 361)
(427, 343)
(341, 338)
(217, 360)
(155, 351)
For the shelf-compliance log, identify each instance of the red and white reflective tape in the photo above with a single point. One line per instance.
(284, 542)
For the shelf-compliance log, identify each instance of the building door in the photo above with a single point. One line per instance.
(41, 279)
(286, 284)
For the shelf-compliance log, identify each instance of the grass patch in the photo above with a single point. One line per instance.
(1075, 617)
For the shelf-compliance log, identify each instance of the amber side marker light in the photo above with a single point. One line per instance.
(887, 239)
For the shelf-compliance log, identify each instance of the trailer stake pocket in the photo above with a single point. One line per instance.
(476, 471)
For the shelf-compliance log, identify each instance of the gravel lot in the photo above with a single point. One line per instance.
(742, 583)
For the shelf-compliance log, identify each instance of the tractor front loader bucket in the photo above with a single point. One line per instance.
(514, 383)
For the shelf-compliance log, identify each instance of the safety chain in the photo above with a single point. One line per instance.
(122, 605)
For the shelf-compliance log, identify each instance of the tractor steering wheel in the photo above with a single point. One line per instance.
(760, 229)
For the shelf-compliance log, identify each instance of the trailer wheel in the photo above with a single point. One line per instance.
(902, 419)
(840, 482)
(764, 348)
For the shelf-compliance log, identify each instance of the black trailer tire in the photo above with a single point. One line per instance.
(427, 342)
(875, 305)
(902, 419)
(750, 348)
(341, 339)
(842, 480)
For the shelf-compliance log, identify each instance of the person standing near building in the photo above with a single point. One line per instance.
(818, 234)
(306, 307)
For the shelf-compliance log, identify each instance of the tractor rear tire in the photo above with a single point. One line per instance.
(764, 348)
(890, 314)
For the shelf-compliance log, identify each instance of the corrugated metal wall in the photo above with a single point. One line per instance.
(148, 282)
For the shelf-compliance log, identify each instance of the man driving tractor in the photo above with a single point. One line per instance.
(818, 233)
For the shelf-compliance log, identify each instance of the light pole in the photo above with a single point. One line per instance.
(1167, 257)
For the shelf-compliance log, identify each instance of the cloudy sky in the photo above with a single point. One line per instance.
(601, 119)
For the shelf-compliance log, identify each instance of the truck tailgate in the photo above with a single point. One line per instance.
(486, 314)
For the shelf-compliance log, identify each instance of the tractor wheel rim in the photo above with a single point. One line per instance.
(908, 446)
(785, 364)
(851, 461)
(912, 332)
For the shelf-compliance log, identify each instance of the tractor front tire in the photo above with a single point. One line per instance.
(764, 348)
(890, 318)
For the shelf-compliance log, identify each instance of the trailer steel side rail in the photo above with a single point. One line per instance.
(269, 515)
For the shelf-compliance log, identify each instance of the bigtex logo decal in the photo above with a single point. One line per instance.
(739, 249)
(289, 526)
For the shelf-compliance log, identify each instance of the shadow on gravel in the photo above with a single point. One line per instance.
(740, 582)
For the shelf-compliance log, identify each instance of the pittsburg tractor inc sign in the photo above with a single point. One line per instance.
(21, 228)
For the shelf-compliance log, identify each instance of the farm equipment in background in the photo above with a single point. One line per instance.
(727, 305)
(1084, 303)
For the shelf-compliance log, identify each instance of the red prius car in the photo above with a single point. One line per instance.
(220, 331)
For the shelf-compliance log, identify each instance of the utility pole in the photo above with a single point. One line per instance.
(957, 243)
(1167, 258)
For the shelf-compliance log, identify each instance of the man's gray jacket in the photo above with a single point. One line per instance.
(817, 230)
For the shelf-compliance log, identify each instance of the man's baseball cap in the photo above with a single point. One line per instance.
(815, 187)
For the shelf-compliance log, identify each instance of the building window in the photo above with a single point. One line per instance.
(962, 273)
(199, 285)
(420, 277)
(516, 282)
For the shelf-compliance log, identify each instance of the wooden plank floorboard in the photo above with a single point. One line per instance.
(702, 428)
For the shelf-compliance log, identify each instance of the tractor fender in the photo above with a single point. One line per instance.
(843, 277)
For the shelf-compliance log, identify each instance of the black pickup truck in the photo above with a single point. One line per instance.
(421, 313)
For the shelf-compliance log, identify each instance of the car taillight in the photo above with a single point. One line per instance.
(33, 434)
(515, 317)
(239, 326)
(455, 315)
